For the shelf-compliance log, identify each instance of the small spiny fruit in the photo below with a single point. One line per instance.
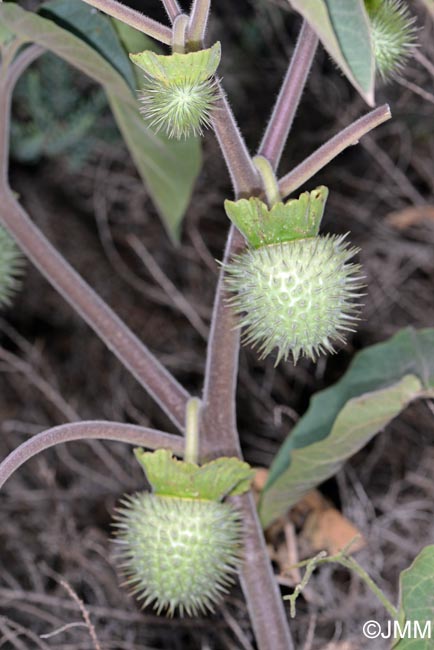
(11, 267)
(293, 290)
(180, 545)
(393, 34)
(179, 553)
(179, 91)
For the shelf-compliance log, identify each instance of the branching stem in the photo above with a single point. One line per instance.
(133, 18)
(95, 430)
(345, 138)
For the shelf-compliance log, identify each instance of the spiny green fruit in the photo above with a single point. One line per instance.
(296, 296)
(179, 554)
(181, 545)
(393, 34)
(11, 267)
(179, 91)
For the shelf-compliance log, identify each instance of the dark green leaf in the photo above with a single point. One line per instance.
(93, 27)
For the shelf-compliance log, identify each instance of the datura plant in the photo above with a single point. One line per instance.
(181, 543)
(293, 291)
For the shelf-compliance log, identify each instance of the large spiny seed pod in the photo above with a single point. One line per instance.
(11, 267)
(179, 91)
(297, 296)
(393, 34)
(179, 554)
(181, 545)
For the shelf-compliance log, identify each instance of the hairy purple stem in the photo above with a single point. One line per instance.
(345, 138)
(134, 19)
(93, 430)
(289, 97)
(245, 179)
(259, 583)
(219, 423)
(198, 22)
(134, 355)
(172, 9)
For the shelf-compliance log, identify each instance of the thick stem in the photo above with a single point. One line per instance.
(219, 420)
(289, 97)
(198, 22)
(172, 9)
(319, 159)
(260, 585)
(94, 430)
(167, 392)
(243, 174)
(134, 19)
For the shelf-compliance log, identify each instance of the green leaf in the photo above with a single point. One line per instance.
(94, 28)
(343, 28)
(176, 478)
(360, 419)
(410, 352)
(169, 169)
(295, 219)
(417, 602)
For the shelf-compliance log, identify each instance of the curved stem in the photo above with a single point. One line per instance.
(133, 18)
(93, 430)
(345, 138)
(172, 9)
(131, 352)
(289, 97)
(163, 387)
(179, 33)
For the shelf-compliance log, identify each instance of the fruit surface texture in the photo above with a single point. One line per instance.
(179, 554)
(298, 296)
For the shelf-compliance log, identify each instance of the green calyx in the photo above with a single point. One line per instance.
(180, 91)
(213, 481)
(297, 296)
(296, 219)
(11, 267)
(180, 545)
(393, 34)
